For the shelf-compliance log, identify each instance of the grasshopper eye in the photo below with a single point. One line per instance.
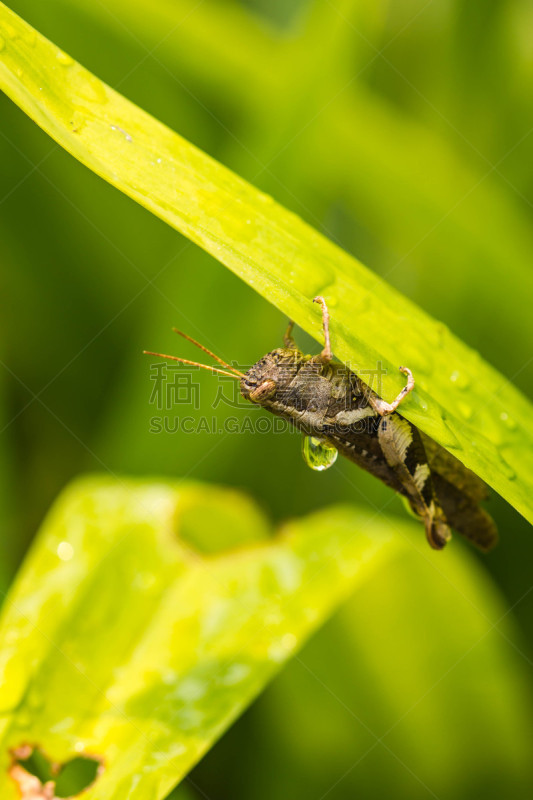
(263, 391)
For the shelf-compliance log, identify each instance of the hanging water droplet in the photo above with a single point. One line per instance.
(318, 454)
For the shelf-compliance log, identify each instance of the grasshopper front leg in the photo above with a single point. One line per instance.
(326, 355)
(382, 407)
(288, 340)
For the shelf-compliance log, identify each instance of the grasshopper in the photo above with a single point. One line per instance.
(325, 400)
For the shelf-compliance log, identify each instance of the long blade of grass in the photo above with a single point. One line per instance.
(149, 615)
(460, 400)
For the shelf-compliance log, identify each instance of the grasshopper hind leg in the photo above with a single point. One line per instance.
(438, 531)
(404, 452)
(402, 448)
(382, 407)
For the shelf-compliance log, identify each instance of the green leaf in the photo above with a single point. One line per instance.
(460, 400)
(123, 642)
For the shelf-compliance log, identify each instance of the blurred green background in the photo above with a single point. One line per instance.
(403, 131)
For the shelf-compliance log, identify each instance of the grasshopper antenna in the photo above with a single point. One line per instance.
(193, 363)
(209, 352)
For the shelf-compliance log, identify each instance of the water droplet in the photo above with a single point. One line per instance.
(235, 673)
(289, 641)
(125, 134)
(459, 379)
(65, 551)
(509, 421)
(169, 676)
(91, 89)
(64, 58)
(318, 454)
(159, 160)
(2, 44)
(191, 689)
(281, 648)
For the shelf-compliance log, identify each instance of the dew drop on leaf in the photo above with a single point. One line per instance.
(91, 89)
(65, 551)
(460, 379)
(318, 454)
(64, 58)
(508, 421)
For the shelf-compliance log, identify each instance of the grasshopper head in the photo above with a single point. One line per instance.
(270, 374)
